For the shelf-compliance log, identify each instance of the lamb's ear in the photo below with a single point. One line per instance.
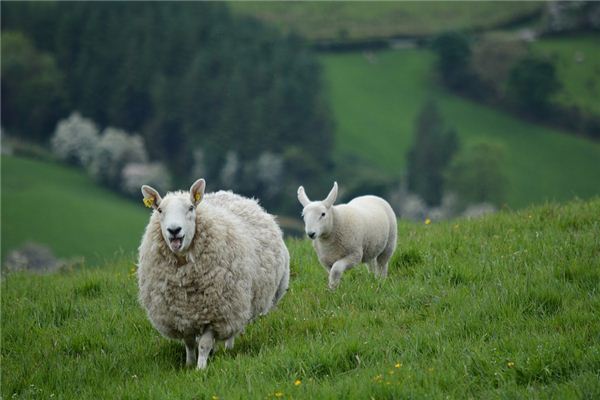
(331, 196)
(151, 197)
(197, 191)
(302, 197)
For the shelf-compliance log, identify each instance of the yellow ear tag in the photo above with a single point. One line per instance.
(197, 197)
(149, 201)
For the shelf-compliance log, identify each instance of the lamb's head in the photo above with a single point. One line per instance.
(318, 215)
(177, 213)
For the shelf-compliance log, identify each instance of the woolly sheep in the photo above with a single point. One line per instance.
(364, 230)
(208, 265)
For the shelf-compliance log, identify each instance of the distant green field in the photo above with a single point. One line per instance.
(368, 19)
(506, 307)
(62, 208)
(578, 63)
(375, 104)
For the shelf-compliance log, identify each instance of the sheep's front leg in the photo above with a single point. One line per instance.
(190, 351)
(338, 268)
(230, 342)
(205, 346)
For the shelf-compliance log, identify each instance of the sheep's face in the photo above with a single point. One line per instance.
(177, 221)
(318, 215)
(177, 213)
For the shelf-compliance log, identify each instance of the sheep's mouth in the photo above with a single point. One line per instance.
(176, 243)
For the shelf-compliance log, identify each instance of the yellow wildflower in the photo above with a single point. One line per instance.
(278, 394)
(215, 398)
(398, 365)
(149, 201)
(427, 221)
(297, 382)
(510, 364)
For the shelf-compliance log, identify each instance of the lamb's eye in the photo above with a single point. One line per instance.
(191, 208)
(322, 215)
(159, 209)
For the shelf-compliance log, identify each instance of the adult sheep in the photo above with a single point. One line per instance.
(208, 265)
(364, 230)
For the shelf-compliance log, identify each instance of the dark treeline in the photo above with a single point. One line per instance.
(186, 76)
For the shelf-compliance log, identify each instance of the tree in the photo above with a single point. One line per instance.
(476, 175)
(531, 84)
(432, 149)
(33, 96)
(454, 54)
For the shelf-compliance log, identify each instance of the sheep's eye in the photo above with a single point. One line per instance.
(322, 215)
(191, 208)
(159, 210)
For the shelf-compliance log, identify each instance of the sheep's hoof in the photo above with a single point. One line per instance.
(229, 343)
(201, 364)
(332, 286)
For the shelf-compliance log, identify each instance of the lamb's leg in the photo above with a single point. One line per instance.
(338, 268)
(205, 345)
(190, 351)
(384, 258)
(230, 342)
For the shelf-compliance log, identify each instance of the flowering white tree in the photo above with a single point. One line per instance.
(115, 150)
(75, 140)
(135, 175)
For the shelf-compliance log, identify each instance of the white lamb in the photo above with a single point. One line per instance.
(208, 265)
(364, 230)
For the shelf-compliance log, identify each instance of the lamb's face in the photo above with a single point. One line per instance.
(177, 221)
(177, 213)
(318, 219)
(318, 215)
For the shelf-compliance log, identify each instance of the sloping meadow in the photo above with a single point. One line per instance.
(505, 306)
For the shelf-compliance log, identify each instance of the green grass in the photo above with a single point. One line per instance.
(63, 208)
(364, 20)
(578, 65)
(503, 307)
(375, 106)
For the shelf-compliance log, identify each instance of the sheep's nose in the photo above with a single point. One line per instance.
(174, 231)
(311, 235)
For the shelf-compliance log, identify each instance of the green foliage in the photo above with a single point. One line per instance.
(32, 88)
(476, 174)
(532, 83)
(454, 60)
(185, 76)
(62, 208)
(502, 307)
(376, 103)
(432, 150)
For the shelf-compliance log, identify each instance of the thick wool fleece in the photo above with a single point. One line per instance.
(236, 268)
(365, 227)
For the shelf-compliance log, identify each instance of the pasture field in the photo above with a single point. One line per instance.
(355, 21)
(507, 306)
(376, 97)
(64, 209)
(577, 59)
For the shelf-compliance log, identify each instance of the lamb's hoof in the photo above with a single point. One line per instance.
(332, 286)
(229, 343)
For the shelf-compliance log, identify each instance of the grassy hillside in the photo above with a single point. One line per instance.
(375, 104)
(503, 307)
(62, 208)
(578, 63)
(368, 19)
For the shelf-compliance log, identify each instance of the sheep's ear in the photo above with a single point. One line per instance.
(197, 191)
(331, 196)
(302, 197)
(151, 197)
